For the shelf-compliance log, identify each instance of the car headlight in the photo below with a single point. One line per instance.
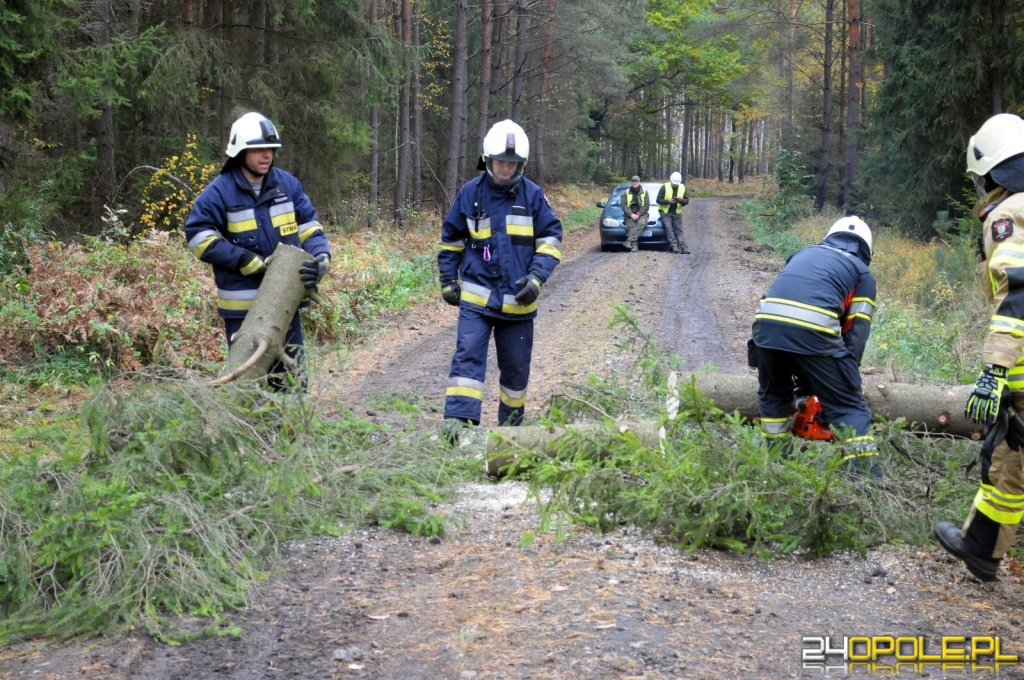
(610, 222)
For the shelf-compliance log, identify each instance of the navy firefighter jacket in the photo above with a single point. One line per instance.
(228, 220)
(493, 237)
(821, 303)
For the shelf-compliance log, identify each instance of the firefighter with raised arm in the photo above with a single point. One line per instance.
(499, 244)
(810, 330)
(995, 162)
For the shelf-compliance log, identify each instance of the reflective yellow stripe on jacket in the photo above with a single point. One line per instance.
(799, 314)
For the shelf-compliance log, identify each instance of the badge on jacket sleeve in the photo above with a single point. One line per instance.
(1002, 229)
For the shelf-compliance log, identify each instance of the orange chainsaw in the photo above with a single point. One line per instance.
(808, 421)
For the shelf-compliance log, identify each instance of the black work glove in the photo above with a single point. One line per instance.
(451, 292)
(983, 404)
(250, 264)
(312, 271)
(529, 291)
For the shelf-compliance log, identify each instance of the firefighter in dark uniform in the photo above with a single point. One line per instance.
(499, 244)
(995, 161)
(239, 219)
(810, 330)
(635, 206)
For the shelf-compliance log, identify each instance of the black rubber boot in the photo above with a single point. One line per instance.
(949, 537)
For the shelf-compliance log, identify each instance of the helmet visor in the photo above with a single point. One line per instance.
(268, 135)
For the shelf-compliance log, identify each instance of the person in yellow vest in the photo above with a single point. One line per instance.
(671, 199)
(635, 206)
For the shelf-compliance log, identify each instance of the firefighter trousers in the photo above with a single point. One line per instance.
(835, 380)
(998, 506)
(513, 344)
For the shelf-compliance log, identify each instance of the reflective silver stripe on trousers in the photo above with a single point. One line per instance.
(456, 381)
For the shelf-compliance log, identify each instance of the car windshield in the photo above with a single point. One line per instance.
(616, 198)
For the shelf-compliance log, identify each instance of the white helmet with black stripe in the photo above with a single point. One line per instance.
(852, 225)
(505, 141)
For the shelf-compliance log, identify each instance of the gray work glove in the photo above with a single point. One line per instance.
(312, 271)
(250, 264)
(529, 291)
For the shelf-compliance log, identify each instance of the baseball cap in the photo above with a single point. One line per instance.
(635, 178)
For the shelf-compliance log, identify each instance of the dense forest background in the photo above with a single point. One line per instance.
(114, 112)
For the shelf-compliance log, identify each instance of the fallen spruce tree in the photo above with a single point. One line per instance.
(929, 411)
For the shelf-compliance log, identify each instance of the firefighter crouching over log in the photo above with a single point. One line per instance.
(995, 161)
(238, 221)
(810, 330)
(499, 244)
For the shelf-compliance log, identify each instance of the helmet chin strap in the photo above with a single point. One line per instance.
(257, 173)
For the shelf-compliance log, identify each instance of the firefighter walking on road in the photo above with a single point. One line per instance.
(671, 199)
(499, 244)
(995, 161)
(810, 330)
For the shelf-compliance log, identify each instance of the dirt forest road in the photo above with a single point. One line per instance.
(482, 604)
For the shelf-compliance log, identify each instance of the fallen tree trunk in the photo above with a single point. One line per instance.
(930, 410)
(259, 343)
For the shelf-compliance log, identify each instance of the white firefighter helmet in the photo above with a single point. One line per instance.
(252, 131)
(505, 141)
(676, 178)
(852, 225)
(1000, 138)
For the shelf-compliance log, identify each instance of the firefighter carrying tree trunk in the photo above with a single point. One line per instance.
(809, 334)
(995, 161)
(499, 244)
